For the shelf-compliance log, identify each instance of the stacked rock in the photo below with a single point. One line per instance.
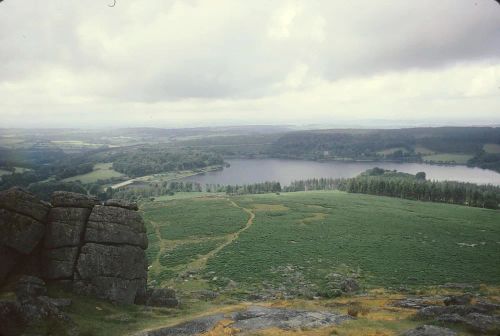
(91, 248)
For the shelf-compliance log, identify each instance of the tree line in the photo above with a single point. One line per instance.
(483, 196)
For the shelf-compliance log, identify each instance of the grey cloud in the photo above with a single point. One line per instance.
(239, 59)
(81, 52)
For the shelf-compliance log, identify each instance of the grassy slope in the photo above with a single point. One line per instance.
(390, 241)
(182, 230)
(492, 148)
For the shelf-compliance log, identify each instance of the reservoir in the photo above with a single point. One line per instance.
(247, 171)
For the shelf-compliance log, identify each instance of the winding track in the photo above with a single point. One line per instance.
(200, 263)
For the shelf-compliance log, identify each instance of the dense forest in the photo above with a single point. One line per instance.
(157, 159)
(373, 144)
(398, 145)
(44, 169)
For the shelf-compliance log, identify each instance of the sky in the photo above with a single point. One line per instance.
(166, 63)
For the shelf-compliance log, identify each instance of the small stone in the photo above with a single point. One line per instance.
(349, 285)
(458, 300)
(161, 297)
(29, 288)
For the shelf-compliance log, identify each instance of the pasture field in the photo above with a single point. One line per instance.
(4, 172)
(102, 171)
(491, 148)
(18, 170)
(423, 150)
(389, 151)
(265, 239)
(448, 158)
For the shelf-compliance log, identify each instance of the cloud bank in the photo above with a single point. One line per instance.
(198, 62)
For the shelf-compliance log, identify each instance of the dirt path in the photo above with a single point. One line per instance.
(156, 263)
(200, 263)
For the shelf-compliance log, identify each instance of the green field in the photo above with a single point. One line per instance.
(386, 242)
(492, 148)
(4, 172)
(423, 150)
(448, 158)
(102, 171)
(389, 151)
(181, 231)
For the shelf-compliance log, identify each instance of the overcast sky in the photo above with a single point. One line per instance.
(210, 62)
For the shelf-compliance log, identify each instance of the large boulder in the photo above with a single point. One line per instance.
(126, 262)
(66, 199)
(59, 263)
(122, 204)
(476, 322)
(113, 225)
(435, 311)
(20, 232)
(159, 297)
(428, 330)
(458, 300)
(9, 258)
(25, 203)
(116, 273)
(65, 227)
(92, 248)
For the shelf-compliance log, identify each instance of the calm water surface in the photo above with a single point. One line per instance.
(286, 171)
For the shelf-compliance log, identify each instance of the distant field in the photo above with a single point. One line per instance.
(422, 150)
(492, 148)
(101, 171)
(17, 170)
(448, 158)
(386, 241)
(4, 172)
(389, 151)
(75, 143)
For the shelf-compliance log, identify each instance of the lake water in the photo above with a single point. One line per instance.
(286, 171)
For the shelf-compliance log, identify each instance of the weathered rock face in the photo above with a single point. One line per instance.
(113, 225)
(100, 248)
(91, 248)
(22, 226)
(66, 199)
(116, 273)
(122, 204)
